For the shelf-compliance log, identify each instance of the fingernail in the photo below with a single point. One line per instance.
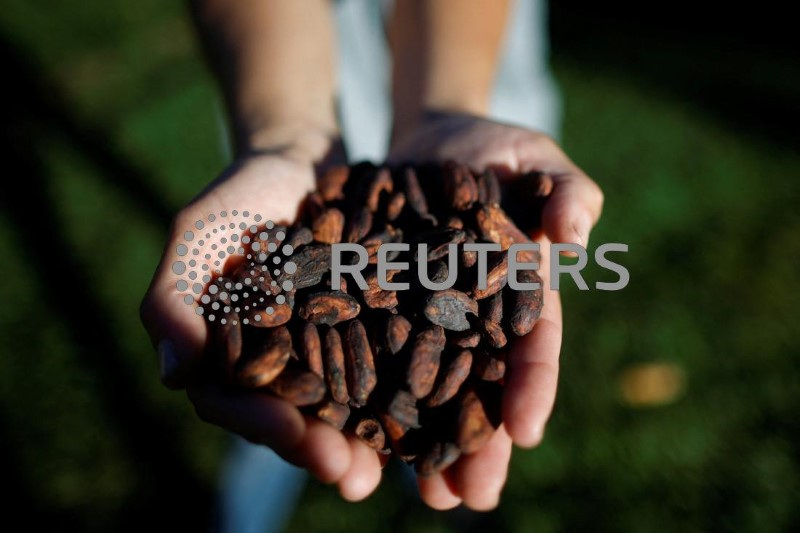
(167, 360)
(582, 226)
(534, 438)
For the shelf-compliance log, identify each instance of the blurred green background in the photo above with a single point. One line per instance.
(679, 396)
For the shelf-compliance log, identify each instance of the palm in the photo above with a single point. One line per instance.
(533, 360)
(273, 187)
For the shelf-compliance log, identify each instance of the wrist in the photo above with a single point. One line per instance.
(299, 139)
(430, 119)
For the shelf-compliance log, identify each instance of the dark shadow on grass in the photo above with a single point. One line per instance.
(32, 98)
(168, 492)
(734, 65)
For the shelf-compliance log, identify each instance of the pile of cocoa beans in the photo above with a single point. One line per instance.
(417, 373)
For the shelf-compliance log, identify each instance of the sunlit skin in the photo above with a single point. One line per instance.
(286, 130)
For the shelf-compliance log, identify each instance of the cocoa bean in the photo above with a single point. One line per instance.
(403, 409)
(334, 366)
(331, 184)
(361, 376)
(311, 349)
(328, 226)
(334, 413)
(474, 428)
(460, 189)
(449, 309)
(266, 357)
(452, 377)
(496, 276)
(329, 308)
(397, 330)
(437, 458)
(359, 225)
(527, 305)
(298, 387)
(489, 366)
(414, 195)
(425, 358)
(370, 431)
(397, 202)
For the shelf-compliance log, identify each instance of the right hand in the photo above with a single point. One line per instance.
(272, 184)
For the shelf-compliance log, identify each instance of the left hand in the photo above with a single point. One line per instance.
(569, 214)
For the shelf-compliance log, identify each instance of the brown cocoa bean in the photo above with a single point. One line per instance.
(464, 339)
(334, 366)
(360, 375)
(488, 187)
(329, 308)
(266, 357)
(331, 184)
(414, 195)
(527, 305)
(453, 376)
(425, 359)
(489, 366)
(380, 184)
(496, 276)
(403, 408)
(334, 413)
(359, 225)
(311, 349)
(474, 428)
(397, 202)
(449, 309)
(460, 189)
(370, 431)
(493, 333)
(397, 329)
(328, 227)
(298, 387)
(312, 263)
(437, 458)
(438, 241)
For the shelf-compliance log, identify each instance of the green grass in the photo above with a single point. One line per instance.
(709, 211)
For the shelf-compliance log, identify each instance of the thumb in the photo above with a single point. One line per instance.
(177, 332)
(572, 209)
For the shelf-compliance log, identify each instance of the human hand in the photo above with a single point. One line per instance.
(569, 214)
(271, 183)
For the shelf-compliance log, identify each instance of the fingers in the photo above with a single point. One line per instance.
(436, 493)
(325, 452)
(532, 375)
(364, 474)
(572, 209)
(479, 477)
(264, 419)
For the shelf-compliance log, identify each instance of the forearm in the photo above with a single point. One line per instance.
(445, 56)
(275, 61)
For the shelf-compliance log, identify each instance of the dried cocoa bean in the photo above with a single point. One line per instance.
(266, 357)
(425, 358)
(361, 376)
(449, 309)
(329, 308)
(298, 387)
(370, 431)
(527, 305)
(311, 349)
(334, 366)
(453, 376)
(328, 226)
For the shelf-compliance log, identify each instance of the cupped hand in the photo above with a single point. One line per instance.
(569, 214)
(273, 185)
